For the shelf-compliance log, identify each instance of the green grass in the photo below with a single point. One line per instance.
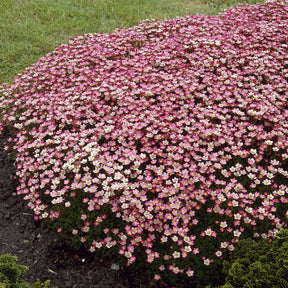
(29, 29)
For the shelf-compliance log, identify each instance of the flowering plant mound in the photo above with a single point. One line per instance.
(166, 141)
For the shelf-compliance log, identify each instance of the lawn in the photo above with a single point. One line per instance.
(30, 29)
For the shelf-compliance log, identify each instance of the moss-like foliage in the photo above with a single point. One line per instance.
(12, 275)
(259, 265)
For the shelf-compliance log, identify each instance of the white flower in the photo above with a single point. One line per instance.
(208, 232)
(223, 245)
(266, 182)
(235, 203)
(247, 220)
(251, 176)
(190, 273)
(231, 247)
(261, 210)
(175, 238)
(176, 254)
(206, 262)
(67, 204)
(45, 215)
(164, 239)
(237, 233)
(218, 253)
(148, 215)
(223, 224)
(188, 249)
(221, 198)
(237, 216)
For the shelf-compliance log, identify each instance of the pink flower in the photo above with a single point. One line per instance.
(190, 273)
(157, 277)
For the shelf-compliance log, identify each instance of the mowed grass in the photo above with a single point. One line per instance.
(29, 29)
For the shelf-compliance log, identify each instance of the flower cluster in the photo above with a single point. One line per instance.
(169, 138)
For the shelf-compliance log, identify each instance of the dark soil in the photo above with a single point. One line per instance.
(46, 255)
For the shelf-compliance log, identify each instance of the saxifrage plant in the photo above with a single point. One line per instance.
(164, 143)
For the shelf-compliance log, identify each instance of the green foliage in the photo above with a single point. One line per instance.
(12, 275)
(259, 264)
(10, 272)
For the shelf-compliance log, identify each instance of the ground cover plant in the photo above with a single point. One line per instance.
(164, 143)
